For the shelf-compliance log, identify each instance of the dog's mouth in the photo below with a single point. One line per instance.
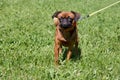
(65, 26)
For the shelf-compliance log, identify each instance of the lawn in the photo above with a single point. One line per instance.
(27, 41)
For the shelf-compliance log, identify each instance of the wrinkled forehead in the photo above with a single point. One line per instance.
(66, 15)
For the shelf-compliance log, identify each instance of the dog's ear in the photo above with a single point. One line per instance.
(56, 14)
(77, 16)
(56, 21)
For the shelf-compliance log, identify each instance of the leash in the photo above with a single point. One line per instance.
(89, 15)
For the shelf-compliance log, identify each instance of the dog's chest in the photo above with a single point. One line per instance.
(67, 37)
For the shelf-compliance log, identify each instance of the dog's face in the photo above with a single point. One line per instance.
(65, 19)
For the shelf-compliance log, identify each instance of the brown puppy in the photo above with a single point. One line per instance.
(66, 32)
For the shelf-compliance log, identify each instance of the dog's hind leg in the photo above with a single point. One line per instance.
(60, 49)
(69, 53)
(77, 50)
(76, 47)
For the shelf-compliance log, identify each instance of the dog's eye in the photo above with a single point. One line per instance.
(70, 19)
(60, 19)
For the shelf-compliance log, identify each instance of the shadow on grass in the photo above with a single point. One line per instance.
(75, 56)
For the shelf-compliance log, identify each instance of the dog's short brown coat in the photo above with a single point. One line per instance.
(65, 36)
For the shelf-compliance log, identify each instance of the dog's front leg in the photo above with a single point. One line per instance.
(56, 53)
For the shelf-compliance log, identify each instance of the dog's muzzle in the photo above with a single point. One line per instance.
(65, 26)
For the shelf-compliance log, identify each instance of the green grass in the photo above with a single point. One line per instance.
(27, 41)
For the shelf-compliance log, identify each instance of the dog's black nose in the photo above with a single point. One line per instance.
(65, 25)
